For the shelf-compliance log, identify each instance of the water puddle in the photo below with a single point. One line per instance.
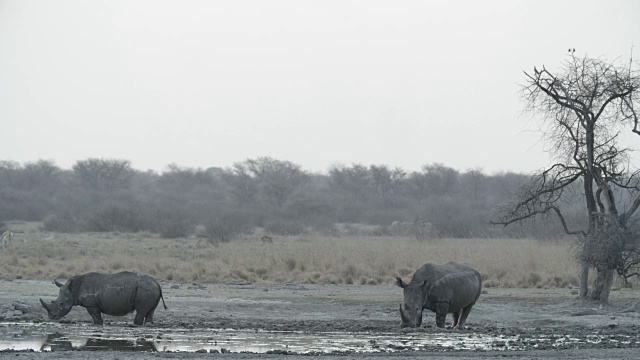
(57, 337)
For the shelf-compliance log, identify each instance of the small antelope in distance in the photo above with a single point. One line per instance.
(266, 239)
(7, 240)
(204, 240)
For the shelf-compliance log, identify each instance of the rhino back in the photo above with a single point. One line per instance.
(433, 272)
(459, 289)
(114, 294)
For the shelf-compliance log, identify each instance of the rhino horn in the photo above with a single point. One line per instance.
(58, 283)
(44, 304)
(404, 318)
(400, 283)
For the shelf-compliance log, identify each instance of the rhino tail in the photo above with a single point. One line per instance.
(162, 297)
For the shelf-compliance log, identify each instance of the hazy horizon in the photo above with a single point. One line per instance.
(305, 168)
(203, 84)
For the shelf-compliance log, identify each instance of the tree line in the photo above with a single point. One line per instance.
(280, 196)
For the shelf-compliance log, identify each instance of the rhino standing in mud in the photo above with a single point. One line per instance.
(447, 288)
(112, 294)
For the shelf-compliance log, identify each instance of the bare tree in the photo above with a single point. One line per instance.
(184, 178)
(355, 180)
(277, 179)
(243, 187)
(40, 173)
(584, 107)
(435, 179)
(103, 174)
(474, 180)
(10, 170)
(385, 179)
(29, 176)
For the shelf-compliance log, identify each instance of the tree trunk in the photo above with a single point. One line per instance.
(584, 279)
(602, 286)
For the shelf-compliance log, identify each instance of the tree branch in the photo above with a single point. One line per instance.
(539, 212)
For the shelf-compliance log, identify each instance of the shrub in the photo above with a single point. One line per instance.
(61, 223)
(114, 218)
(291, 264)
(221, 231)
(285, 228)
(174, 228)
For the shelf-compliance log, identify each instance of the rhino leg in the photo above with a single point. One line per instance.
(456, 318)
(149, 317)
(96, 315)
(441, 314)
(463, 316)
(146, 300)
(145, 309)
(144, 314)
(139, 319)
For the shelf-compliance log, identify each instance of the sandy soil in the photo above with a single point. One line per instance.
(526, 323)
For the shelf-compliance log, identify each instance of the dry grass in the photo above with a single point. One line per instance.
(305, 259)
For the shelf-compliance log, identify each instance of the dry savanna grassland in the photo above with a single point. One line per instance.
(365, 260)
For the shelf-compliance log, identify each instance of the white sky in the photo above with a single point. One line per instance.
(209, 83)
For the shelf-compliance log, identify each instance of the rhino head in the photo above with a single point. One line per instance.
(63, 304)
(414, 295)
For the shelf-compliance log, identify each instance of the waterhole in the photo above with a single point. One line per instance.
(56, 337)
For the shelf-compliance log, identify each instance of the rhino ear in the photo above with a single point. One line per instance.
(400, 283)
(58, 283)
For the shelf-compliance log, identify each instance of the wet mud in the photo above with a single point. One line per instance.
(323, 320)
(46, 336)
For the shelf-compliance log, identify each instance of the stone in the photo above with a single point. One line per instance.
(22, 307)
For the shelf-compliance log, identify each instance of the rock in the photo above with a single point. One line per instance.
(484, 292)
(574, 292)
(201, 351)
(17, 313)
(9, 314)
(175, 286)
(22, 307)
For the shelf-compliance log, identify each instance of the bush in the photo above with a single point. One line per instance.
(62, 223)
(284, 228)
(221, 231)
(174, 228)
(114, 218)
(227, 228)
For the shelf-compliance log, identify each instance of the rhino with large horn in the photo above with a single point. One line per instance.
(448, 288)
(111, 294)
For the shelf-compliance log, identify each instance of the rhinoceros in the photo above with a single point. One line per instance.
(448, 288)
(112, 294)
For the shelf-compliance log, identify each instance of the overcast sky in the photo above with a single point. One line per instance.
(319, 83)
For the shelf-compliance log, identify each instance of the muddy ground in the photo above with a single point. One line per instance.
(345, 321)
